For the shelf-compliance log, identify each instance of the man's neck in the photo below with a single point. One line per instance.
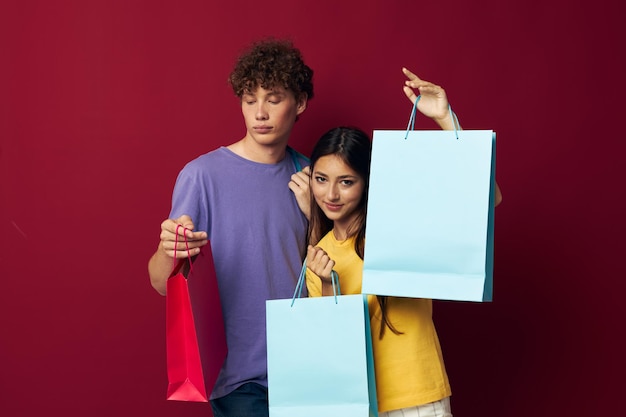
(264, 154)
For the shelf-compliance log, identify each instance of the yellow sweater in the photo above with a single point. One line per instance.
(409, 367)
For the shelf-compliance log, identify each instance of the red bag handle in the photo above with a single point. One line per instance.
(174, 266)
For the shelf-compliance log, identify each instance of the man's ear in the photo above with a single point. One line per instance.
(301, 103)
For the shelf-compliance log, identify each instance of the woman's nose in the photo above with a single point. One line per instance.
(333, 193)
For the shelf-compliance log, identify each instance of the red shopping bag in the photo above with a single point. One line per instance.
(196, 341)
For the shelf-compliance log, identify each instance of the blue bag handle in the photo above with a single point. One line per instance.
(411, 125)
(295, 158)
(334, 277)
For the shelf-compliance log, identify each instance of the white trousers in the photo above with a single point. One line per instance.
(439, 408)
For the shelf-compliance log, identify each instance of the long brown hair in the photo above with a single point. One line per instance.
(354, 148)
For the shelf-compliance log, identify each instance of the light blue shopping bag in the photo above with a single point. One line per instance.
(430, 215)
(319, 357)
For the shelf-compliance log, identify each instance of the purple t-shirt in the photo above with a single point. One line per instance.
(257, 234)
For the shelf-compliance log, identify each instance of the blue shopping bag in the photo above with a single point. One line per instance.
(319, 357)
(430, 215)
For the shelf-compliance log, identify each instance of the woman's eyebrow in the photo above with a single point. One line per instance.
(320, 173)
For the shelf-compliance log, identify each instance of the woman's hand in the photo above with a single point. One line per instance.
(299, 185)
(318, 261)
(433, 101)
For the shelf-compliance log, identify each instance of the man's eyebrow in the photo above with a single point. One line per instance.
(269, 93)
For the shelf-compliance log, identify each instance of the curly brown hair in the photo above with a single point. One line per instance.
(272, 63)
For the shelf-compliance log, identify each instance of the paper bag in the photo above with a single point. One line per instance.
(430, 215)
(196, 341)
(319, 357)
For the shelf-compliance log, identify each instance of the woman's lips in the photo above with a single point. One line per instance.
(333, 207)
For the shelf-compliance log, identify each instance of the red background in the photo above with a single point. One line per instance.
(103, 101)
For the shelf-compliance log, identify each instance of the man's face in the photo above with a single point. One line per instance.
(270, 114)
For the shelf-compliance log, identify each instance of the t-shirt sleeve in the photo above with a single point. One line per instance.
(188, 198)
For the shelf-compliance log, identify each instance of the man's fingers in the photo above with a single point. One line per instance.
(187, 226)
(181, 254)
(186, 221)
(169, 232)
(180, 250)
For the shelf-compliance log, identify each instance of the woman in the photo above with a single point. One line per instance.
(410, 374)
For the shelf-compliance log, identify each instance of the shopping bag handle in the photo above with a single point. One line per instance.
(294, 157)
(411, 125)
(334, 278)
(178, 226)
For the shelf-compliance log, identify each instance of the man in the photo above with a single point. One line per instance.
(246, 198)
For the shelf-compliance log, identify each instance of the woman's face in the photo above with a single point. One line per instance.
(337, 189)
